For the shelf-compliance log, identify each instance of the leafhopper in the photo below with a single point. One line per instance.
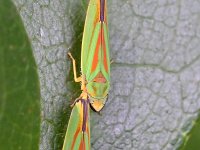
(94, 78)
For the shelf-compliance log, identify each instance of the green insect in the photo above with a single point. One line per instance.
(95, 77)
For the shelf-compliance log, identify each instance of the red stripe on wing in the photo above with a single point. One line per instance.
(96, 53)
(82, 144)
(75, 137)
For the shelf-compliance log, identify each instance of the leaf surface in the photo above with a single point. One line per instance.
(154, 79)
(19, 84)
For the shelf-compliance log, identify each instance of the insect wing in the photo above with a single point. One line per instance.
(78, 131)
(95, 47)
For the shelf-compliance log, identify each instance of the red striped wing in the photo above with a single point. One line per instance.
(78, 130)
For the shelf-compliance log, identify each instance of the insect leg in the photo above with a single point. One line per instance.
(76, 79)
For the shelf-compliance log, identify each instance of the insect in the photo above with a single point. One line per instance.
(95, 76)
(78, 130)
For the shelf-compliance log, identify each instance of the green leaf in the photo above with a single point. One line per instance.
(19, 86)
(191, 139)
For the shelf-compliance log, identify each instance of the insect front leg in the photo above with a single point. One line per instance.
(76, 79)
